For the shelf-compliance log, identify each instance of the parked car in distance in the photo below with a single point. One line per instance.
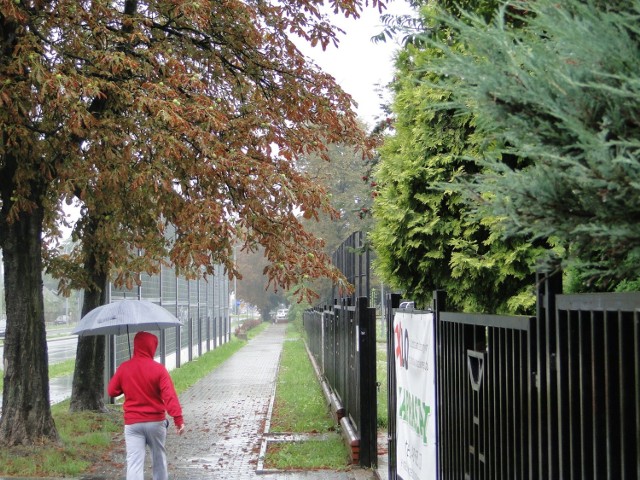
(281, 314)
(61, 320)
(3, 328)
(408, 305)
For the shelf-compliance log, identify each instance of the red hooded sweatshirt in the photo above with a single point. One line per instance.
(146, 384)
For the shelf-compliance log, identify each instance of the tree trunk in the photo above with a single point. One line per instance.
(26, 412)
(87, 391)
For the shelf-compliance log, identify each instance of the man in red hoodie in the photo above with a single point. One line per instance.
(148, 395)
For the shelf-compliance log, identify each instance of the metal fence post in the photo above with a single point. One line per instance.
(392, 301)
(548, 286)
(368, 389)
(439, 305)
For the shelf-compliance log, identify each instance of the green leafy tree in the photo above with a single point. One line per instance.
(150, 114)
(561, 93)
(253, 284)
(424, 236)
(346, 177)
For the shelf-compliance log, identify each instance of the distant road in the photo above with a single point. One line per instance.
(60, 349)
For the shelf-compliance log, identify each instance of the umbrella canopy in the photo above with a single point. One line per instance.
(125, 316)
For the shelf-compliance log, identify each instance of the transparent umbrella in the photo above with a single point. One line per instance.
(124, 317)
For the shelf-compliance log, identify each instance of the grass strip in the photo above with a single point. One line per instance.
(300, 407)
(84, 437)
(62, 369)
(329, 453)
(296, 411)
(56, 370)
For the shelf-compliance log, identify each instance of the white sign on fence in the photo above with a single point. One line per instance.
(416, 396)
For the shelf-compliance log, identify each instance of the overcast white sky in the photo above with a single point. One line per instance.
(358, 64)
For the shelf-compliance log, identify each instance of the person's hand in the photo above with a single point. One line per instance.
(180, 429)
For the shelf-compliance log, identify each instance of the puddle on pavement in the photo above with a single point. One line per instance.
(59, 389)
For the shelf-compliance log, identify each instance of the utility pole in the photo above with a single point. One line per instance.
(2, 307)
(235, 281)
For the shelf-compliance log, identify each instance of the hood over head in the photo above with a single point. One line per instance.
(145, 345)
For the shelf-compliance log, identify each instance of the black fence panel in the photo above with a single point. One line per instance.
(312, 320)
(335, 350)
(353, 259)
(342, 341)
(596, 357)
(366, 350)
(555, 396)
(348, 381)
(483, 386)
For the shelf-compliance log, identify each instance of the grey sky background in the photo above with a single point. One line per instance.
(360, 66)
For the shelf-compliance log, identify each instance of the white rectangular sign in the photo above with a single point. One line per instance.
(416, 396)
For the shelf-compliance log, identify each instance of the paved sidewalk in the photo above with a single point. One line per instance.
(226, 414)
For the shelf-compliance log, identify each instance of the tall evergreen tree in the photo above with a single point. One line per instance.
(561, 93)
(424, 236)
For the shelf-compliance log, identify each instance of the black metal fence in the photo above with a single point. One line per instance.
(586, 406)
(555, 396)
(483, 390)
(353, 259)
(342, 341)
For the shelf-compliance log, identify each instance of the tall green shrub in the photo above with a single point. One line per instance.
(424, 236)
(562, 94)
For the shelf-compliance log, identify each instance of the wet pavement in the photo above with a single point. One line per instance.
(227, 422)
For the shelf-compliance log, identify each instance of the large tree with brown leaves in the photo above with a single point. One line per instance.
(149, 113)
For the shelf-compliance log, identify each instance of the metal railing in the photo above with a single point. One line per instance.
(342, 341)
(483, 395)
(353, 259)
(586, 403)
(555, 396)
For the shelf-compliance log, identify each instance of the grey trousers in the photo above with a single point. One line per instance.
(137, 437)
